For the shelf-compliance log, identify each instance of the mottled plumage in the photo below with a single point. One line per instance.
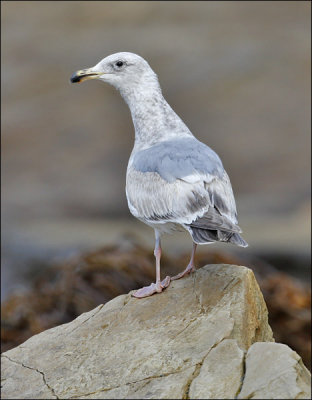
(173, 180)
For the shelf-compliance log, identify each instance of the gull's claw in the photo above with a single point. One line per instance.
(166, 282)
(157, 287)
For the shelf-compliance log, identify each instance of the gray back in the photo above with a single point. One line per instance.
(178, 158)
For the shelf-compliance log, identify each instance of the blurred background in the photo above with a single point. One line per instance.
(237, 73)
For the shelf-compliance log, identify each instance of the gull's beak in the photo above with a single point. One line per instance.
(84, 74)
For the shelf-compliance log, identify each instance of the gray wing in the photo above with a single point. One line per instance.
(181, 181)
(179, 159)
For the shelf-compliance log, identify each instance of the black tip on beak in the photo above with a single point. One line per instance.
(75, 78)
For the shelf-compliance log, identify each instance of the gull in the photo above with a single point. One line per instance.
(174, 182)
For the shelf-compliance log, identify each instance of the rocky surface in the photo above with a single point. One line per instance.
(188, 342)
(60, 293)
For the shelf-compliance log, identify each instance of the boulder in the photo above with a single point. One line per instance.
(197, 339)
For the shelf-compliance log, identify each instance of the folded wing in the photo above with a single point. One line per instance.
(182, 181)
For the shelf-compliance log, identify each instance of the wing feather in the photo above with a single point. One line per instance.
(183, 182)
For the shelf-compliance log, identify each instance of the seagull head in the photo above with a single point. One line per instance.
(122, 70)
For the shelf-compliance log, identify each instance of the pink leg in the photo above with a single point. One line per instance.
(159, 285)
(190, 268)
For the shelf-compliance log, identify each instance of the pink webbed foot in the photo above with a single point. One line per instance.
(157, 287)
(190, 268)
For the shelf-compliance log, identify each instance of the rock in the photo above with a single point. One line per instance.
(220, 374)
(187, 342)
(283, 375)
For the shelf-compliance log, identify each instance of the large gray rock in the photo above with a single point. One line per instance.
(188, 342)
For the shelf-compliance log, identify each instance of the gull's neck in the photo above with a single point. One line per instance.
(153, 119)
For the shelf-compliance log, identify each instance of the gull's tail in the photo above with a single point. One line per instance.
(203, 236)
(238, 240)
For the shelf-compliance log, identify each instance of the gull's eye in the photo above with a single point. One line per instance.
(119, 64)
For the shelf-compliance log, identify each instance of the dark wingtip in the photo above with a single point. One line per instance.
(238, 240)
(75, 78)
